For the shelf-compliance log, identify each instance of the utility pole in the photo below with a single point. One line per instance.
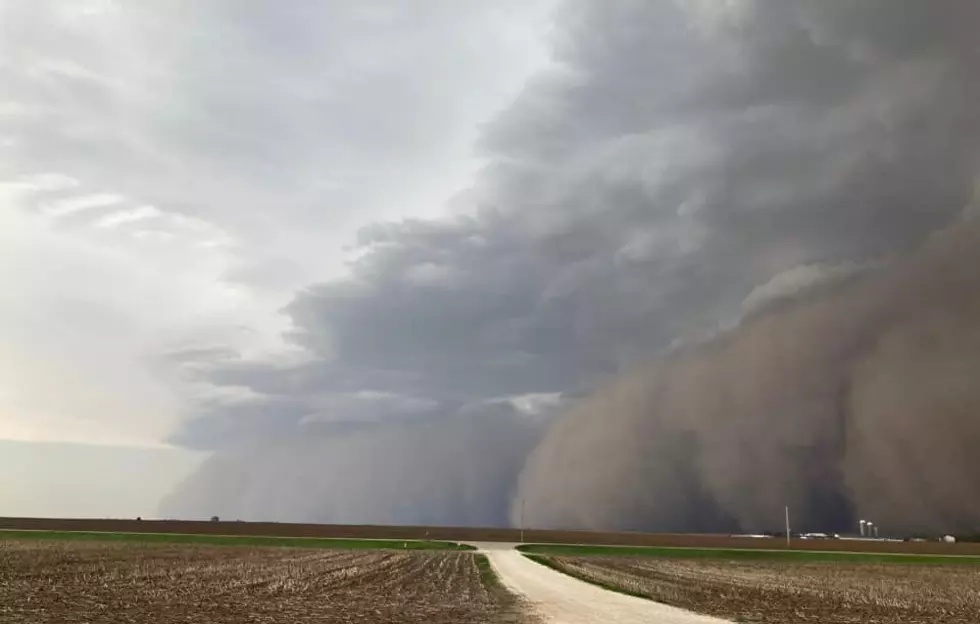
(522, 520)
(787, 527)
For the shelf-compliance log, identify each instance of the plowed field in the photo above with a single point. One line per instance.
(773, 592)
(45, 582)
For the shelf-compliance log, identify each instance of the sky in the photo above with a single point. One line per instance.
(170, 173)
(360, 262)
(59, 479)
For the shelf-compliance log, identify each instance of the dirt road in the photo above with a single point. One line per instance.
(561, 599)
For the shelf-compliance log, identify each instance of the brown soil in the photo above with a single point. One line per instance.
(795, 593)
(44, 582)
(463, 534)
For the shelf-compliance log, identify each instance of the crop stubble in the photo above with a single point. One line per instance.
(59, 582)
(774, 592)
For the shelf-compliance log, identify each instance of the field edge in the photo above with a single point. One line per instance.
(236, 540)
(574, 550)
(548, 563)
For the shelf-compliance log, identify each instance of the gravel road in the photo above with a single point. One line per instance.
(560, 599)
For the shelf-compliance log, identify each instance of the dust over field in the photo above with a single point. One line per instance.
(774, 592)
(471, 534)
(52, 582)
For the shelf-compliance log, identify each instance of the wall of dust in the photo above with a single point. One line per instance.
(857, 401)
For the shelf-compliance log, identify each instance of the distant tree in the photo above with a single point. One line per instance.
(215, 518)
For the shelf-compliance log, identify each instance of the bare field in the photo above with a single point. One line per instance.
(44, 582)
(772, 592)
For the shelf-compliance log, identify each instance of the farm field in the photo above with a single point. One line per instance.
(57, 581)
(791, 592)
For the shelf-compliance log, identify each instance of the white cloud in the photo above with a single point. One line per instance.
(170, 178)
(50, 182)
(536, 404)
(128, 216)
(798, 280)
(88, 313)
(430, 274)
(67, 207)
(12, 109)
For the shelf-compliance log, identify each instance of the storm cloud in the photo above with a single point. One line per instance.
(738, 226)
(854, 401)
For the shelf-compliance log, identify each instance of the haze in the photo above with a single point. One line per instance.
(657, 265)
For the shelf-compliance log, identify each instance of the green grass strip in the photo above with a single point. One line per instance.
(751, 554)
(488, 576)
(235, 540)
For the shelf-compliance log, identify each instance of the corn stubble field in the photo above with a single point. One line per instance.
(57, 582)
(783, 592)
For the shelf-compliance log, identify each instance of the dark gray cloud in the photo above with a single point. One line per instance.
(680, 165)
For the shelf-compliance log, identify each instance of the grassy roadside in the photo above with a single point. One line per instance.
(487, 574)
(514, 610)
(234, 540)
(560, 550)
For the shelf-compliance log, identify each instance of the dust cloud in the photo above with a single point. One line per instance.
(459, 471)
(795, 171)
(852, 399)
